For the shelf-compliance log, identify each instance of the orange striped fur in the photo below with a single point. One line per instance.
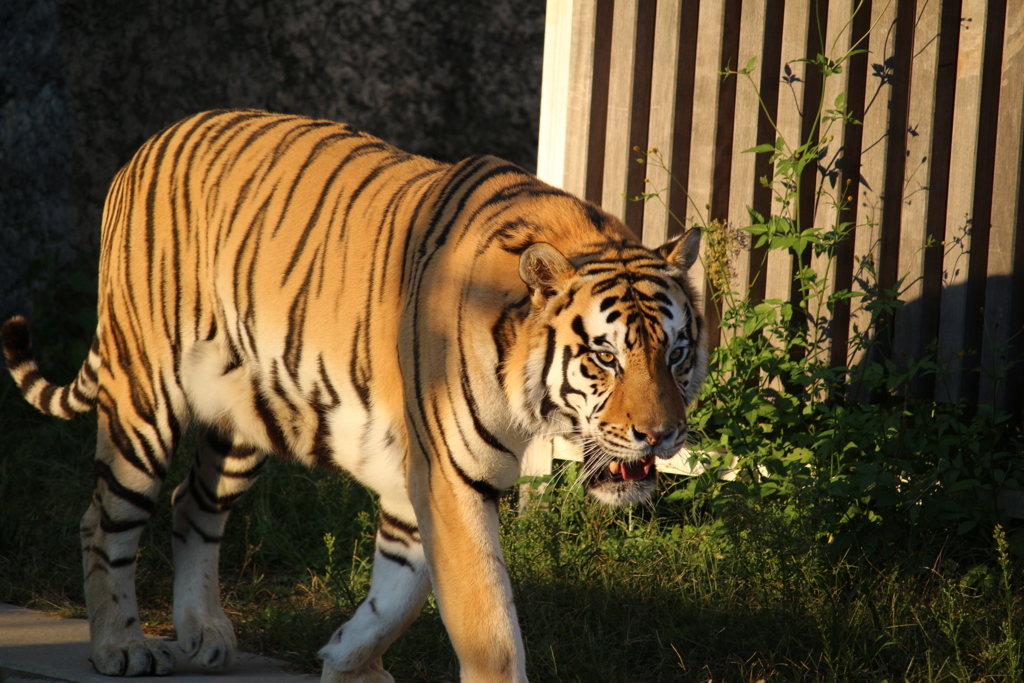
(301, 288)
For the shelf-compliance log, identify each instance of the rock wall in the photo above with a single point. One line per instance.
(84, 82)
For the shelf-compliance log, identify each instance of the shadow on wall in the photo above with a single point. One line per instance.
(84, 84)
(974, 352)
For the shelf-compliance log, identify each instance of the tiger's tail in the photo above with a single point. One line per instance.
(62, 401)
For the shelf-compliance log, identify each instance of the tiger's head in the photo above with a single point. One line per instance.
(618, 353)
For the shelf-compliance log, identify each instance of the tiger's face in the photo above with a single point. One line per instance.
(623, 356)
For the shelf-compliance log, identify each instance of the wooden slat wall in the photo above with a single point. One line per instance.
(938, 155)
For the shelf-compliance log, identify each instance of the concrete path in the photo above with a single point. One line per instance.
(36, 646)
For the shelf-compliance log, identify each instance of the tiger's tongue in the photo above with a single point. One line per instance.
(636, 469)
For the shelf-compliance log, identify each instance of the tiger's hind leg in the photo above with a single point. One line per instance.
(131, 464)
(221, 473)
(398, 590)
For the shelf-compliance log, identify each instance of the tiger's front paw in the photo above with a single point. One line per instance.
(370, 673)
(137, 657)
(208, 641)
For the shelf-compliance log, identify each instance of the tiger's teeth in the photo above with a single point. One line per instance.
(613, 467)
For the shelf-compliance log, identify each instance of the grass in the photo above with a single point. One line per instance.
(666, 592)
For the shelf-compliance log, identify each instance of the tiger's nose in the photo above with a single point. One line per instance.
(652, 437)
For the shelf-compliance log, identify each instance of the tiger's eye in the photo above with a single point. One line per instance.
(606, 357)
(677, 354)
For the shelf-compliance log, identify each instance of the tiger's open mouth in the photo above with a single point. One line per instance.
(633, 470)
(621, 482)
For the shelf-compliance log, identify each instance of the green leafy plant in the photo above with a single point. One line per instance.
(876, 473)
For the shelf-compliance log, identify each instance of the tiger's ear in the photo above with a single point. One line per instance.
(682, 251)
(544, 270)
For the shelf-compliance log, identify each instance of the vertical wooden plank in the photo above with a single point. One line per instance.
(578, 96)
(779, 271)
(830, 180)
(899, 72)
(1005, 236)
(671, 108)
(551, 137)
(721, 162)
(666, 107)
(984, 186)
(705, 96)
(856, 66)
(829, 190)
(960, 202)
(587, 98)
(722, 145)
(910, 335)
(874, 173)
(745, 130)
(770, 86)
(618, 152)
(629, 92)
(682, 116)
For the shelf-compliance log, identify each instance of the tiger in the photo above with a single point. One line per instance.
(294, 286)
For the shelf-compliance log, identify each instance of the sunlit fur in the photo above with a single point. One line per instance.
(300, 288)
